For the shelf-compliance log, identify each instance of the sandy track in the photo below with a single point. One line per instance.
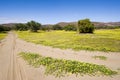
(12, 67)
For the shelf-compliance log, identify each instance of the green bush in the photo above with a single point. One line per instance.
(85, 26)
(70, 28)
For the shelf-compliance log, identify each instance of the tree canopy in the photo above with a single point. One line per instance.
(85, 26)
(34, 26)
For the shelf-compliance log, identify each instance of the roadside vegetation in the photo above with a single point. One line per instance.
(100, 57)
(101, 40)
(2, 35)
(62, 67)
(3, 31)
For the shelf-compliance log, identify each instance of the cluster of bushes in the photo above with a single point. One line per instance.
(4, 28)
(107, 27)
(84, 26)
(21, 27)
(32, 26)
(46, 28)
(68, 27)
(57, 27)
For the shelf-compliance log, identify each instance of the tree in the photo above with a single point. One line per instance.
(85, 26)
(70, 28)
(57, 27)
(21, 27)
(34, 26)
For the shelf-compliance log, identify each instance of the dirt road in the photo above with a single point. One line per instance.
(9, 65)
(12, 67)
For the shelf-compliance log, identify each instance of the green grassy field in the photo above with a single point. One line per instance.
(2, 35)
(101, 40)
(61, 67)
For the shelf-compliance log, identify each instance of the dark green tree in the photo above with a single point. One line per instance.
(34, 26)
(85, 26)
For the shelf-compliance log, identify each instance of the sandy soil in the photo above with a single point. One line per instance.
(13, 67)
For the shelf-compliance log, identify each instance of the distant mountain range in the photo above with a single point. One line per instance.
(97, 24)
(9, 24)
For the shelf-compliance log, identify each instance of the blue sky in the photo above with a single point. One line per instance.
(54, 11)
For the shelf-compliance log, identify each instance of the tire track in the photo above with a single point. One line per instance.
(15, 70)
